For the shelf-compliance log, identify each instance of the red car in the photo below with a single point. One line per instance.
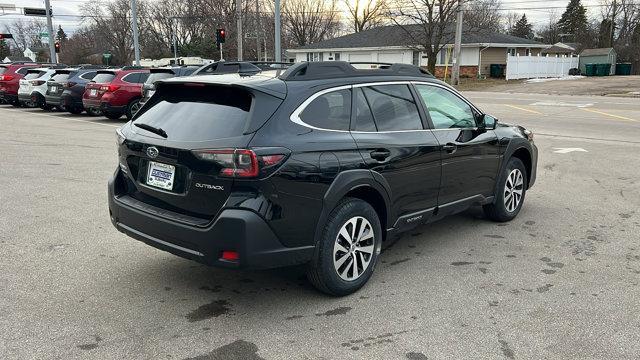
(10, 75)
(115, 92)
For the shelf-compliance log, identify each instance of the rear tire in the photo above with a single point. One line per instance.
(512, 188)
(132, 108)
(74, 110)
(94, 112)
(332, 270)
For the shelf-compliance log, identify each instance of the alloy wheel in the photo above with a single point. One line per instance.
(353, 248)
(513, 189)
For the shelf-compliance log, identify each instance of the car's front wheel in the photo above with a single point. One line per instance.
(512, 187)
(348, 250)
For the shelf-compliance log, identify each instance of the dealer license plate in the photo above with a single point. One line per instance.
(161, 175)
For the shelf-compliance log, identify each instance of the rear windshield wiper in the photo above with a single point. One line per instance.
(152, 129)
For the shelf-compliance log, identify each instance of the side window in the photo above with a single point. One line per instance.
(143, 78)
(132, 78)
(364, 118)
(329, 111)
(88, 75)
(393, 107)
(446, 109)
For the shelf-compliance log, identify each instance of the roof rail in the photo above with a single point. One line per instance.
(134, 68)
(336, 69)
(90, 66)
(20, 63)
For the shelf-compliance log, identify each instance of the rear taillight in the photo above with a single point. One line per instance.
(109, 88)
(6, 77)
(240, 163)
(37, 82)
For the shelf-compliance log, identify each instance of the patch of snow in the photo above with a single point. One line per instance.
(568, 77)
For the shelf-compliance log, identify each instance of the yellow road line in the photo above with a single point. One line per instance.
(612, 115)
(523, 109)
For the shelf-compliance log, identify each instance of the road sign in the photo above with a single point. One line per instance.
(44, 34)
(106, 56)
(36, 12)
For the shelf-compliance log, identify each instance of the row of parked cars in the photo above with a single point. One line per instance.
(96, 90)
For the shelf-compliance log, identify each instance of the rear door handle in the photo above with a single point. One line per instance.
(450, 148)
(380, 154)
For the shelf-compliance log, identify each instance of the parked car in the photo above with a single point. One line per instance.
(10, 75)
(33, 87)
(66, 87)
(157, 74)
(115, 92)
(320, 165)
(226, 67)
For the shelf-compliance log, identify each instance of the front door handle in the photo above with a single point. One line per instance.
(380, 154)
(450, 148)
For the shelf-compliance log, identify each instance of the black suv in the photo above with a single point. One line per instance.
(321, 164)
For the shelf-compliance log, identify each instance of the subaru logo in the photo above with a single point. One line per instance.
(152, 152)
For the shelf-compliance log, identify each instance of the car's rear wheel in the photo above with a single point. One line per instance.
(74, 109)
(94, 112)
(348, 250)
(512, 188)
(133, 108)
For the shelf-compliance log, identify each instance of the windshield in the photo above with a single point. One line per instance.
(199, 113)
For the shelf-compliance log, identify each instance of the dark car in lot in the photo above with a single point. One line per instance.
(115, 92)
(10, 76)
(320, 165)
(66, 87)
(157, 74)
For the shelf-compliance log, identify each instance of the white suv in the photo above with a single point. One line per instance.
(33, 87)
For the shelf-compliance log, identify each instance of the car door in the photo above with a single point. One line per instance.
(470, 153)
(390, 133)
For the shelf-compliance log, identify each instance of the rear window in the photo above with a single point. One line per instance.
(88, 75)
(198, 113)
(102, 78)
(153, 77)
(2, 69)
(61, 77)
(33, 75)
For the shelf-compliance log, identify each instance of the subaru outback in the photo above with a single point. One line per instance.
(322, 164)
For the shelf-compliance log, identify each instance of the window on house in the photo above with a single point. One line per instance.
(511, 51)
(416, 58)
(446, 56)
(527, 52)
(314, 56)
(336, 56)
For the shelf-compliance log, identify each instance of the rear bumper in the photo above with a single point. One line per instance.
(24, 97)
(108, 108)
(53, 100)
(7, 97)
(239, 230)
(68, 99)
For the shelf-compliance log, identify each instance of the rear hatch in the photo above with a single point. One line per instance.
(59, 81)
(99, 85)
(187, 146)
(30, 80)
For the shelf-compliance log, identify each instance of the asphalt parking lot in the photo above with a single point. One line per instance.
(559, 282)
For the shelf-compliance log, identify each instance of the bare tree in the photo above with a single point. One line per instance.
(428, 24)
(510, 20)
(365, 14)
(26, 33)
(310, 21)
(484, 16)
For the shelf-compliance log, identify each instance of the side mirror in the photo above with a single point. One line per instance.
(487, 122)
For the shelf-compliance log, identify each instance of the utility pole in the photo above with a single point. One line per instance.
(52, 49)
(134, 26)
(613, 23)
(175, 43)
(257, 27)
(239, 17)
(278, 51)
(455, 73)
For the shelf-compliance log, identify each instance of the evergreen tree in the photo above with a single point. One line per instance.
(604, 40)
(522, 28)
(61, 35)
(574, 20)
(4, 50)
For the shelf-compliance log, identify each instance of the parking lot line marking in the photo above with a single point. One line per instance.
(612, 115)
(523, 109)
(60, 117)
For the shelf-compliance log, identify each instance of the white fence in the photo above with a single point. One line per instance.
(530, 67)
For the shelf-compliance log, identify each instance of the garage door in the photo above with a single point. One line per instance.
(390, 57)
(360, 57)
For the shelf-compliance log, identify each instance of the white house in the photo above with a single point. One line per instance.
(392, 44)
(29, 54)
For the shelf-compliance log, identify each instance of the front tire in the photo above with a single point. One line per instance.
(512, 188)
(132, 108)
(348, 250)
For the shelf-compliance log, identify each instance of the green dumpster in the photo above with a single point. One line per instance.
(623, 69)
(603, 69)
(590, 69)
(496, 70)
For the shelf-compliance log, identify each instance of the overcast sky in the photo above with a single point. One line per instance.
(537, 16)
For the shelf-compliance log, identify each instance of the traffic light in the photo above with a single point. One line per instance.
(6, 36)
(56, 45)
(220, 36)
